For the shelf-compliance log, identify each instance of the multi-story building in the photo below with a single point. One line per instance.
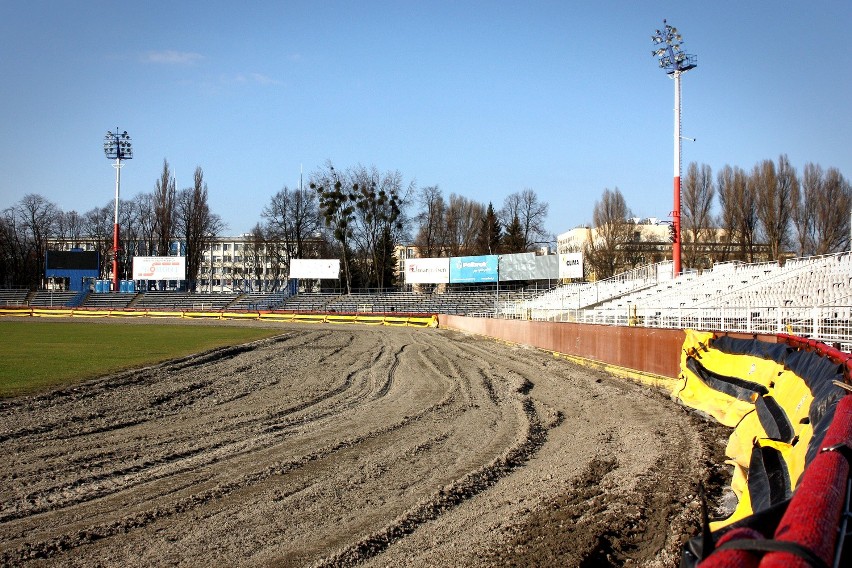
(228, 263)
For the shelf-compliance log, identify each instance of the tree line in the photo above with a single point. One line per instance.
(766, 213)
(357, 214)
(151, 223)
(360, 214)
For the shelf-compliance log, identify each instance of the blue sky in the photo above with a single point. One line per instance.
(480, 98)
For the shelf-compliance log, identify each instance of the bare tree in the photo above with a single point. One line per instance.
(697, 222)
(531, 214)
(197, 224)
(612, 231)
(773, 189)
(291, 218)
(379, 218)
(70, 227)
(145, 219)
(254, 259)
(337, 199)
(99, 228)
(38, 219)
(14, 250)
(431, 239)
(831, 218)
(464, 218)
(738, 217)
(165, 210)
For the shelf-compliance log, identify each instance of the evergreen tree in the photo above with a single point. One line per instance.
(490, 233)
(514, 241)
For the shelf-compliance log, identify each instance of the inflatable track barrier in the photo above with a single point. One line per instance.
(791, 412)
(410, 320)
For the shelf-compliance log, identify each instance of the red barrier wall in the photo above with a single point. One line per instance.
(645, 349)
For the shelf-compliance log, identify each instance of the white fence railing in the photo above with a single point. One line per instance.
(830, 324)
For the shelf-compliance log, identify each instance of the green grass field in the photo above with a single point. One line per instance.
(38, 355)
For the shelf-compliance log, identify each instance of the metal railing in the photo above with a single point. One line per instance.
(829, 322)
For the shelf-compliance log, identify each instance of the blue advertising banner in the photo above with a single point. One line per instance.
(473, 269)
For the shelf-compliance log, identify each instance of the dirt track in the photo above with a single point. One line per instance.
(339, 445)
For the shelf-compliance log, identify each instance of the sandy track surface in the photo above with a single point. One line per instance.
(335, 446)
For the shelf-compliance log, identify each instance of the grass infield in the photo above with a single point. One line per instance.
(38, 355)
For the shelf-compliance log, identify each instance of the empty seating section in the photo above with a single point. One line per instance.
(259, 301)
(16, 297)
(806, 296)
(187, 301)
(307, 302)
(53, 298)
(113, 300)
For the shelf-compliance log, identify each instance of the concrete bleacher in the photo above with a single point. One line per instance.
(259, 301)
(111, 300)
(308, 302)
(809, 296)
(462, 302)
(53, 298)
(13, 297)
(167, 300)
(798, 283)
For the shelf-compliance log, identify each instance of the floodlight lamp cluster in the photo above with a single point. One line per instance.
(117, 146)
(672, 58)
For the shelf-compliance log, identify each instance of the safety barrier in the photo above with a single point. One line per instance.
(788, 402)
(418, 320)
(781, 392)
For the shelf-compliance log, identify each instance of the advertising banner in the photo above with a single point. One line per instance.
(427, 270)
(571, 265)
(327, 268)
(517, 266)
(159, 268)
(546, 267)
(473, 269)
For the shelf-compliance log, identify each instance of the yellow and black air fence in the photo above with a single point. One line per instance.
(779, 398)
(396, 319)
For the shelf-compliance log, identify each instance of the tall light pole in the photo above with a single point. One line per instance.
(675, 62)
(117, 147)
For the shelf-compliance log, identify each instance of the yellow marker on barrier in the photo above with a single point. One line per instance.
(202, 315)
(240, 315)
(16, 312)
(52, 313)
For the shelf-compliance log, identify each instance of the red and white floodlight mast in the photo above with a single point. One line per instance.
(675, 62)
(117, 147)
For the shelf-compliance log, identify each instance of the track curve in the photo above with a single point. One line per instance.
(334, 446)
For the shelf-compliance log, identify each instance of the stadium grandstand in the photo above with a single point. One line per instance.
(810, 297)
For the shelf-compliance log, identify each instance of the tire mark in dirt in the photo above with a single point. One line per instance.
(101, 480)
(110, 383)
(450, 496)
(423, 432)
(51, 547)
(94, 486)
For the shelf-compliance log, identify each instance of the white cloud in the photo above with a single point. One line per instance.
(249, 78)
(171, 57)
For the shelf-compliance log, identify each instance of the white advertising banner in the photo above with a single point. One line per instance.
(325, 268)
(427, 270)
(159, 268)
(571, 265)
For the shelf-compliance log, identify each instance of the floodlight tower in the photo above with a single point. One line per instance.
(675, 62)
(117, 147)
